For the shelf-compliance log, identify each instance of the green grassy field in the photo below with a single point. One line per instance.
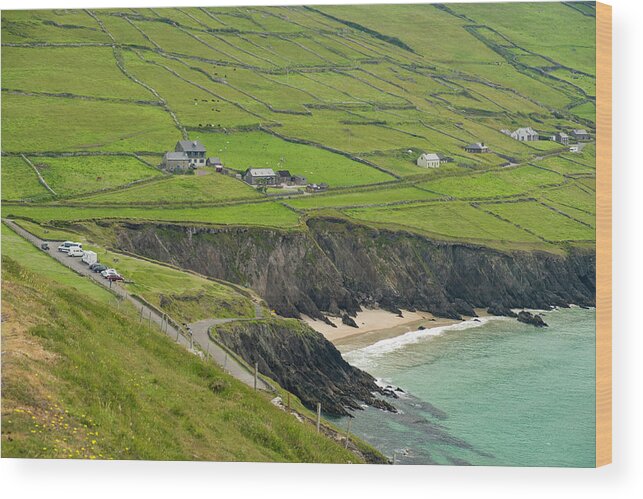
(93, 383)
(360, 198)
(506, 182)
(41, 124)
(450, 220)
(373, 82)
(81, 174)
(543, 221)
(262, 150)
(180, 188)
(88, 71)
(19, 181)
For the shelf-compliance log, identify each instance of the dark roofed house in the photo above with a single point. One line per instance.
(581, 134)
(194, 150)
(477, 148)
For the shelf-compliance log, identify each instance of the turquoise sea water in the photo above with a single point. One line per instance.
(492, 393)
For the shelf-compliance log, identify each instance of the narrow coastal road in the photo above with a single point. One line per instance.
(199, 329)
(200, 334)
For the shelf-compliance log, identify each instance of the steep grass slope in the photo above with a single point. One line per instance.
(83, 380)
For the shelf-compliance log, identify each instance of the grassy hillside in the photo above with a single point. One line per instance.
(83, 380)
(347, 95)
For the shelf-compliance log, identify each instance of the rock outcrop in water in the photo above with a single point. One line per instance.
(529, 318)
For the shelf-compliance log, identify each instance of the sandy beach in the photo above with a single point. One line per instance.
(375, 325)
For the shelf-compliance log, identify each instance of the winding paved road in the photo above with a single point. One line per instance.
(199, 329)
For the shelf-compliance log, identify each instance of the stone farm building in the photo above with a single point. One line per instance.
(581, 134)
(429, 160)
(561, 138)
(187, 154)
(260, 176)
(477, 148)
(285, 177)
(526, 134)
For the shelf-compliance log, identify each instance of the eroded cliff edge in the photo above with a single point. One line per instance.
(336, 266)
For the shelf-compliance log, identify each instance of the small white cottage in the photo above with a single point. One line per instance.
(429, 160)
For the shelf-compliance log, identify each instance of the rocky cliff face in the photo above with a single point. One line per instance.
(336, 266)
(302, 361)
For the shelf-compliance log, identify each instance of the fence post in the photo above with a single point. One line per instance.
(318, 416)
(256, 367)
(348, 431)
(140, 319)
(149, 319)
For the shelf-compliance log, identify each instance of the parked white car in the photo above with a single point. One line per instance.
(107, 272)
(75, 251)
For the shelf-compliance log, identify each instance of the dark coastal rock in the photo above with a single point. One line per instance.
(329, 322)
(421, 328)
(463, 308)
(303, 362)
(383, 405)
(389, 391)
(529, 318)
(349, 321)
(501, 310)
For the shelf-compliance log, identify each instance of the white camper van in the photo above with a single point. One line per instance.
(75, 251)
(64, 247)
(89, 257)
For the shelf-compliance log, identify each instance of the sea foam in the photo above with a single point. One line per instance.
(362, 356)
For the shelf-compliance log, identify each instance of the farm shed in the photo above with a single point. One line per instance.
(260, 176)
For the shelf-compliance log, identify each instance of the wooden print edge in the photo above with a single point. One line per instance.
(603, 234)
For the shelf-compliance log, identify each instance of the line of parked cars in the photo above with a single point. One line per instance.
(74, 249)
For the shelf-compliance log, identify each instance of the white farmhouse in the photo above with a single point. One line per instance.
(429, 160)
(525, 134)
